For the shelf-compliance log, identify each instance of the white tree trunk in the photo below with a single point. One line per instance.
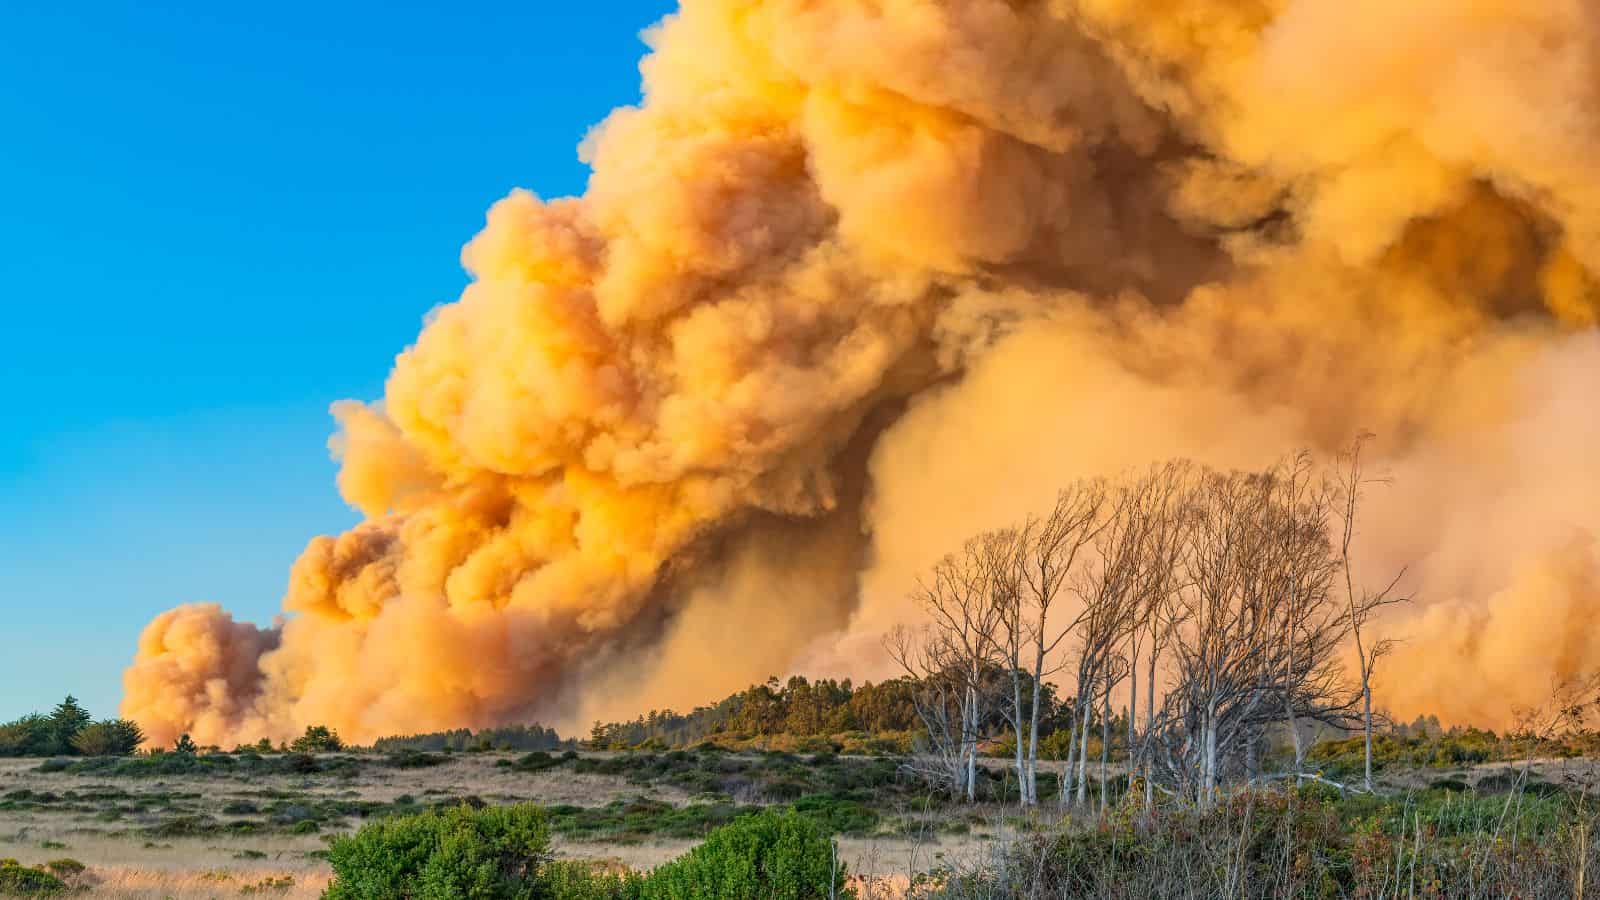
(1083, 755)
(1208, 772)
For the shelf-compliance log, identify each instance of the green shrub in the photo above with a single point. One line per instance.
(112, 737)
(415, 759)
(463, 853)
(20, 881)
(769, 856)
(317, 739)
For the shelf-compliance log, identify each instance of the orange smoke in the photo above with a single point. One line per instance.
(858, 279)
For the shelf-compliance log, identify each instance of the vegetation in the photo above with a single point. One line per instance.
(317, 739)
(17, 880)
(790, 715)
(462, 852)
(504, 852)
(113, 737)
(1305, 843)
(522, 738)
(68, 730)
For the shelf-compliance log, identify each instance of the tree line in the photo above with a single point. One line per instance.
(69, 730)
(1228, 598)
(522, 738)
(797, 708)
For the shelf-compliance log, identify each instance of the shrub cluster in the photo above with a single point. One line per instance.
(503, 853)
(1301, 844)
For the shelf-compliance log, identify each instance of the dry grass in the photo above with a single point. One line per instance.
(126, 862)
(128, 883)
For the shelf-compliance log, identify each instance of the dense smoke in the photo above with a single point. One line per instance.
(860, 278)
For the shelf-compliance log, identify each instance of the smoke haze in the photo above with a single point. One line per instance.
(858, 279)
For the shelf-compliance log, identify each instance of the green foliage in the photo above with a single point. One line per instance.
(514, 737)
(21, 881)
(629, 821)
(111, 737)
(794, 713)
(27, 736)
(502, 853)
(54, 734)
(538, 761)
(185, 746)
(769, 856)
(1410, 747)
(490, 853)
(772, 777)
(243, 766)
(412, 759)
(66, 720)
(317, 739)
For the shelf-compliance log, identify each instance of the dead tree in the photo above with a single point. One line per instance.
(939, 699)
(1259, 633)
(1363, 604)
(963, 621)
(1046, 552)
(1160, 578)
(1108, 588)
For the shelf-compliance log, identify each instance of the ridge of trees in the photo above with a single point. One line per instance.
(68, 730)
(775, 711)
(522, 738)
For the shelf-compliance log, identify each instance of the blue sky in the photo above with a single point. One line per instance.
(215, 220)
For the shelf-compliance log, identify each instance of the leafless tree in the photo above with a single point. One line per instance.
(940, 702)
(1363, 604)
(957, 646)
(1222, 584)
(1047, 550)
(1257, 632)
(1108, 587)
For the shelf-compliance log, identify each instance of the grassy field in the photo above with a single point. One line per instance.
(259, 826)
(255, 826)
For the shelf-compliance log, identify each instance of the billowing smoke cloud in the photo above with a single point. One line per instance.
(859, 278)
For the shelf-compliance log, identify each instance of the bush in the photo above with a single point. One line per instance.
(19, 881)
(112, 737)
(457, 853)
(317, 739)
(769, 856)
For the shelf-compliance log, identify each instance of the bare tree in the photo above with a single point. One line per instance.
(1108, 586)
(1257, 633)
(1047, 551)
(1223, 584)
(1160, 578)
(1363, 604)
(958, 598)
(939, 699)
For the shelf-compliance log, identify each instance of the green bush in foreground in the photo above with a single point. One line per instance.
(768, 856)
(503, 853)
(20, 881)
(491, 853)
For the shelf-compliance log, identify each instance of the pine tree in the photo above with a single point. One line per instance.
(66, 720)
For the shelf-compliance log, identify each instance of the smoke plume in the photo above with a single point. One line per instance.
(858, 278)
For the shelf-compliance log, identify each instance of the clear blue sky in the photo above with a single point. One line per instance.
(215, 220)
